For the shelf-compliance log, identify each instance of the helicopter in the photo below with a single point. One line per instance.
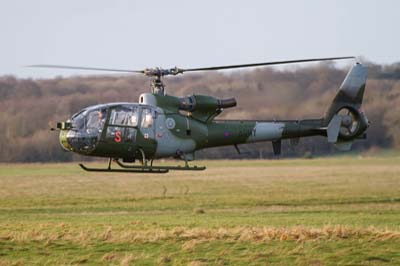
(164, 126)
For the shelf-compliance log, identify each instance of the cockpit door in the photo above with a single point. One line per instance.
(121, 129)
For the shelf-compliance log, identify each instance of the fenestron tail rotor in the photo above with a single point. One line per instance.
(350, 123)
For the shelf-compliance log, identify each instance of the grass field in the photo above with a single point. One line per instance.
(331, 211)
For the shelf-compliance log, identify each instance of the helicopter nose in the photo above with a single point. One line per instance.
(64, 141)
(77, 141)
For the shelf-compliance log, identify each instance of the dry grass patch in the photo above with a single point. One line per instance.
(191, 244)
(108, 257)
(196, 263)
(198, 235)
(127, 259)
(164, 260)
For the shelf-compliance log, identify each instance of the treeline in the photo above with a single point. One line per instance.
(28, 107)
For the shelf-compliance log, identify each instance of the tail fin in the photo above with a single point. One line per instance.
(344, 119)
(351, 91)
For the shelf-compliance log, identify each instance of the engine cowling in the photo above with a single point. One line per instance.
(205, 107)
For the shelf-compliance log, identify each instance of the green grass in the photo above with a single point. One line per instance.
(330, 211)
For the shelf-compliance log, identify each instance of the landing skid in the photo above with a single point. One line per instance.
(179, 168)
(144, 168)
(140, 169)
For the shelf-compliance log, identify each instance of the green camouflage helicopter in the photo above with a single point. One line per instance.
(162, 125)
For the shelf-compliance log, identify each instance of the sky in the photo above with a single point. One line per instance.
(138, 34)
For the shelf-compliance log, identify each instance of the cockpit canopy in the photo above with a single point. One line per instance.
(89, 120)
(87, 126)
(93, 119)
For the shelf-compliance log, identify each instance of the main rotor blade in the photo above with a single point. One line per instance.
(266, 63)
(88, 68)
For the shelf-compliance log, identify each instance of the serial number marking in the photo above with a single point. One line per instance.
(246, 131)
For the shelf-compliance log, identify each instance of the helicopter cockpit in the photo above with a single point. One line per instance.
(85, 129)
(92, 121)
(111, 123)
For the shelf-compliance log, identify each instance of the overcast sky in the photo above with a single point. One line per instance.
(137, 34)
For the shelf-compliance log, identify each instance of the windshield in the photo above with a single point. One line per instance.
(91, 121)
(78, 120)
(87, 126)
(96, 119)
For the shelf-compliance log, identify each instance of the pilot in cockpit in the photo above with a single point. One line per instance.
(102, 118)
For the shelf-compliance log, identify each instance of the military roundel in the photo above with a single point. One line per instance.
(170, 123)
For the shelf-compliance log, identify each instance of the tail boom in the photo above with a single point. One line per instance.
(231, 132)
(343, 122)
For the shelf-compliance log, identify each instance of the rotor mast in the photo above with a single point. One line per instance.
(157, 85)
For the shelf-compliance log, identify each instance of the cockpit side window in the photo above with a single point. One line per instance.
(124, 116)
(132, 117)
(147, 118)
